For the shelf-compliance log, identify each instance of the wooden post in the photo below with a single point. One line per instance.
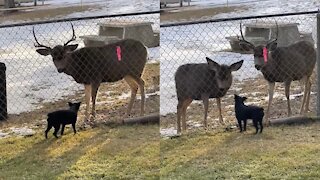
(152, 118)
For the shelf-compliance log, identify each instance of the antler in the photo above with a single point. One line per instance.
(269, 42)
(73, 36)
(243, 36)
(38, 44)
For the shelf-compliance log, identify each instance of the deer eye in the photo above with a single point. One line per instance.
(258, 54)
(57, 56)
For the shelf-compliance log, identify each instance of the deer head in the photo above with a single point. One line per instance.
(223, 72)
(58, 52)
(260, 52)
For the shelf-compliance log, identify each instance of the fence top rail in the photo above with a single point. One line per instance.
(77, 19)
(236, 18)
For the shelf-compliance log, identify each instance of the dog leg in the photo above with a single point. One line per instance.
(74, 128)
(56, 129)
(245, 125)
(255, 124)
(47, 130)
(261, 126)
(240, 125)
(62, 129)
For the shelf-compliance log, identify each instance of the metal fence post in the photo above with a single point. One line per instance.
(318, 64)
(3, 92)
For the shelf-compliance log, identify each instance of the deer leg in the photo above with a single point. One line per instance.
(94, 91)
(271, 90)
(219, 108)
(134, 88)
(179, 111)
(185, 105)
(308, 97)
(205, 99)
(287, 92)
(305, 92)
(87, 91)
(141, 86)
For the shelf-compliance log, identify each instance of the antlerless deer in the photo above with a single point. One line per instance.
(202, 82)
(284, 64)
(92, 66)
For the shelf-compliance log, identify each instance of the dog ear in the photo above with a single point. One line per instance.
(70, 103)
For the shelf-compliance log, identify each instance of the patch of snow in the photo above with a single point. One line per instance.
(24, 131)
(168, 132)
(3, 135)
(101, 7)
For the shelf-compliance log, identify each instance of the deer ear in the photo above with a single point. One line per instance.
(44, 52)
(245, 46)
(272, 46)
(212, 65)
(71, 47)
(236, 66)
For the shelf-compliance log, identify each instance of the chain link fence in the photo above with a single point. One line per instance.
(184, 43)
(34, 86)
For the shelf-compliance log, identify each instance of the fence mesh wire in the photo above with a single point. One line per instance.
(34, 86)
(183, 44)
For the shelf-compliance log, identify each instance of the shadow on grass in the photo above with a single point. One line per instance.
(279, 152)
(88, 154)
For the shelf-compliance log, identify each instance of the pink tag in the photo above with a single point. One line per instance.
(119, 53)
(265, 54)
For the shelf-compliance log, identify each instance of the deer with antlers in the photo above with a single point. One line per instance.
(92, 66)
(284, 65)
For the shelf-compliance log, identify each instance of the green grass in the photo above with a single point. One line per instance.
(124, 152)
(289, 152)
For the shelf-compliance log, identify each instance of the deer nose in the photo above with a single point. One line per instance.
(258, 67)
(60, 70)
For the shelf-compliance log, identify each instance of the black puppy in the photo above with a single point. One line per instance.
(244, 112)
(63, 117)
